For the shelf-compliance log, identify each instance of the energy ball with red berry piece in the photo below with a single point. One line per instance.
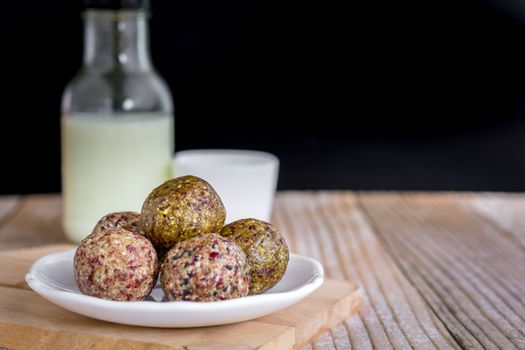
(265, 248)
(128, 220)
(179, 209)
(116, 264)
(205, 268)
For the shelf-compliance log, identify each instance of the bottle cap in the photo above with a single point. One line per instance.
(115, 4)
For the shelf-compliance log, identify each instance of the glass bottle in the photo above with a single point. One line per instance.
(117, 119)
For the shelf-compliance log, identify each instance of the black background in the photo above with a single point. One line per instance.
(355, 95)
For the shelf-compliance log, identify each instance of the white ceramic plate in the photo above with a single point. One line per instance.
(52, 277)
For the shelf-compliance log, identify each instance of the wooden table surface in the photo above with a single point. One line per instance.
(439, 270)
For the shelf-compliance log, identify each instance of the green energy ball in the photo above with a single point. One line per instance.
(266, 250)
(180, 209)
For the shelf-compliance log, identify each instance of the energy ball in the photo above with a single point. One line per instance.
(180, 209)
(128, 220)
(116, 264)
(205, 268)
(265, 248)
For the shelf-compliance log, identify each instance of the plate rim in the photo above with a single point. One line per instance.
(43, 289)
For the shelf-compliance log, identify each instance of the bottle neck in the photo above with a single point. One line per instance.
(116, 40)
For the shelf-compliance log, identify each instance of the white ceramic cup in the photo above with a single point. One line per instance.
(245, 180)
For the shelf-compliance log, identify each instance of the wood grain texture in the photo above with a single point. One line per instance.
(8, 205)
(17, 262)
(464, 267)
(29, 321)
(35, 222)
(506, 210)
(332, 228)
(439, 270)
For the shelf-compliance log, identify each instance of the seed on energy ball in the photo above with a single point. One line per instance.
(180, 209)
(128, 220)
(205, 268)
(116, 264)
(265, 248)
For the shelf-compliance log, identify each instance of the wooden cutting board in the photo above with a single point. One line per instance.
(29, 321)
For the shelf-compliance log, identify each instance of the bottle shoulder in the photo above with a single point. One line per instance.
(117, 91)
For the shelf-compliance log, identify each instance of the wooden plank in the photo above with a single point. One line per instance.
(504, 209)
(330, 305)
(415, 301)
(23, 311)
(326, 307)
(35, 223)
(17, 262)
(29, 321)
(8, 205)
(331, 227)
(465, 268)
